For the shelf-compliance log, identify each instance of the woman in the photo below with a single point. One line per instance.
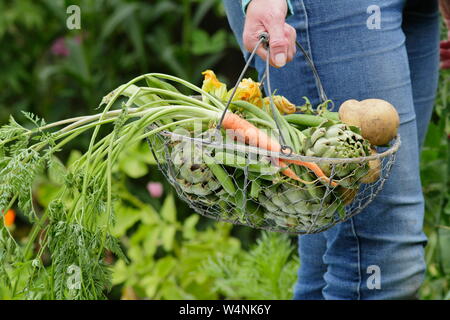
(362, 49)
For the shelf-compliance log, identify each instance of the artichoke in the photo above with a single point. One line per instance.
(332, 140)
(193, 176)
(299, 208)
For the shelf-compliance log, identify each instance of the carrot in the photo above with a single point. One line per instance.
(289, 172)
(246, 132)
(314, 168)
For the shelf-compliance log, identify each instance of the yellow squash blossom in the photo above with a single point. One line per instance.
(248, 90)
(213, 86)
(283, 105)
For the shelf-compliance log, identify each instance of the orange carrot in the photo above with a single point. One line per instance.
(289, 172)
(246, 132)
(314, 168)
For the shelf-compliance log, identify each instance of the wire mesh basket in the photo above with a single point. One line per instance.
(232, 181)
(264, 198)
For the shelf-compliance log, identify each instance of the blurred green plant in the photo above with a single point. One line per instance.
(267, 271)
(166, 254)
(435, 175)
(65, 72)
(56, 73)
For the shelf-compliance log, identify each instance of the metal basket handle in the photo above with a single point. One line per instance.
(264, 40)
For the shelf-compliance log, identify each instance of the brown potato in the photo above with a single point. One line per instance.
(377, 119)
(379, 122)
(349, 112)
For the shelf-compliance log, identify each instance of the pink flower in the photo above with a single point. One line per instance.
(59, 48)
(155, 189)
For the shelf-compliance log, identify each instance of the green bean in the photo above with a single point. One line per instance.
(221, 175)
(255, 189)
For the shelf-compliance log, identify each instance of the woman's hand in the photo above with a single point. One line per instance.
(269, 16)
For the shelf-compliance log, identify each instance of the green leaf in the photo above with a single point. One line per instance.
(168, 210)
(134, 168)
(202, 43)
(149, 215)
(189, 226)
(46, 192)
(444, 245)
(126, 217)
(135, 159)
(120, 273)
(168, 237)
(126, 11)
(150, 283)
(164, 266)
(151, 240)
(73, 156)
(56, 171)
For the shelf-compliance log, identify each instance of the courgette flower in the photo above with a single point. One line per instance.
(283, 105)
(248, 90)
(213, 86)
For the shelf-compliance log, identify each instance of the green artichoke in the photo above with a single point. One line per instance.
(299, 208)
(192, 174)
(339, 140)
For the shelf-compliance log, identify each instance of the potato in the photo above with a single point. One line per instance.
(349, 112)
(379, 122)
(377, 119)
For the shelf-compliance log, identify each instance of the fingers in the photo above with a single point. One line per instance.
(283, 51)
(288, 48)
(277, 41)
(269, 16)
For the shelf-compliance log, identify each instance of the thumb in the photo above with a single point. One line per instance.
(278, 43)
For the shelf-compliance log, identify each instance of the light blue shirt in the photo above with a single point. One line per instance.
(246, 2)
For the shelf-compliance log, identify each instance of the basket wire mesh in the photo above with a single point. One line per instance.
(253, 191)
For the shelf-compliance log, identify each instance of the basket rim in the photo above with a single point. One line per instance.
(258, 151)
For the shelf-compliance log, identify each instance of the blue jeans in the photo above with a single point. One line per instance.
(379, 253)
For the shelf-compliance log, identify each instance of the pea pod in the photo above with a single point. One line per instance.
(221, 175)
(255, 189)
(236, 161)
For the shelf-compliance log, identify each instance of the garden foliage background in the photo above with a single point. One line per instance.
(174, 253)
